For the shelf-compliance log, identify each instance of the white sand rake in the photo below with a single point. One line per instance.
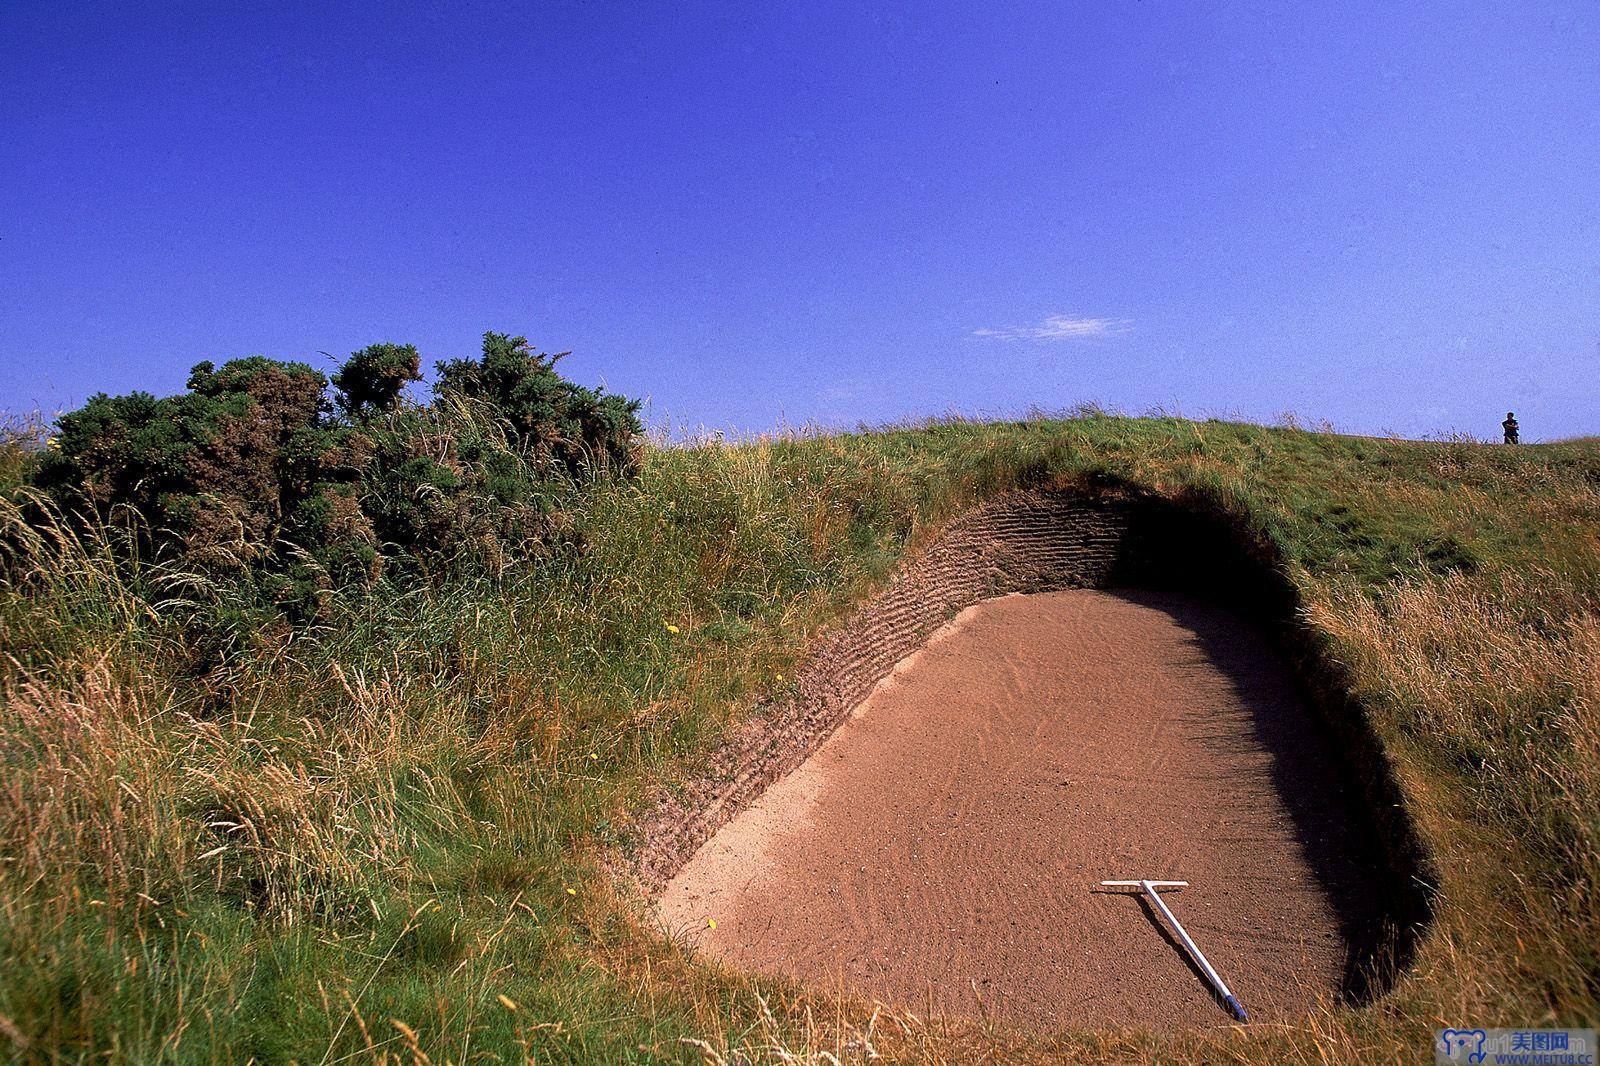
(1151, 889)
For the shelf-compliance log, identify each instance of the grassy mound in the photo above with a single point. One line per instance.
(377, 833)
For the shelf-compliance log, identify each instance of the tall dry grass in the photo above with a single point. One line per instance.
(1492, 687)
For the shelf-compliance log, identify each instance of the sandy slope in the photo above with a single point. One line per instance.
(942, 846)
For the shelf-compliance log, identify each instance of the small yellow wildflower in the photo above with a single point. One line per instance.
(711, 923)
(672, 628)
(572, 892)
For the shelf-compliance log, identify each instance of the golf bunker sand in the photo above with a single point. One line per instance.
(933, 837)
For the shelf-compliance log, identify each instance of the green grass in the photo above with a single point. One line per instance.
(381, 837)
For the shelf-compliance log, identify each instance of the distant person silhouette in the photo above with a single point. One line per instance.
(1511, 427)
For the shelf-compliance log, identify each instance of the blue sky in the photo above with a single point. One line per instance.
(1384, 215)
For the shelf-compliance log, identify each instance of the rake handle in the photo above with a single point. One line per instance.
(1149, 888)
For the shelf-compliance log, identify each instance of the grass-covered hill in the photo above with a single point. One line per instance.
(374, 828)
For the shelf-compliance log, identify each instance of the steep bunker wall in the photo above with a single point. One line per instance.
(1078, 709)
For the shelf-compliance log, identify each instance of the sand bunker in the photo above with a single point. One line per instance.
(939, 849)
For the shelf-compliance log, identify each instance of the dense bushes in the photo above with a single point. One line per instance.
(372, 378)
(258, 474)
(546, 414)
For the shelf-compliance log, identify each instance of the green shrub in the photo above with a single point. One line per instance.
(547, 415)
(255, 474)
(371, 380)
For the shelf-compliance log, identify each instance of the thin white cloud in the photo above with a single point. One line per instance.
(1059, 327)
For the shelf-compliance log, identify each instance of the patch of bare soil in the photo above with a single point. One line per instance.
(941, 850)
